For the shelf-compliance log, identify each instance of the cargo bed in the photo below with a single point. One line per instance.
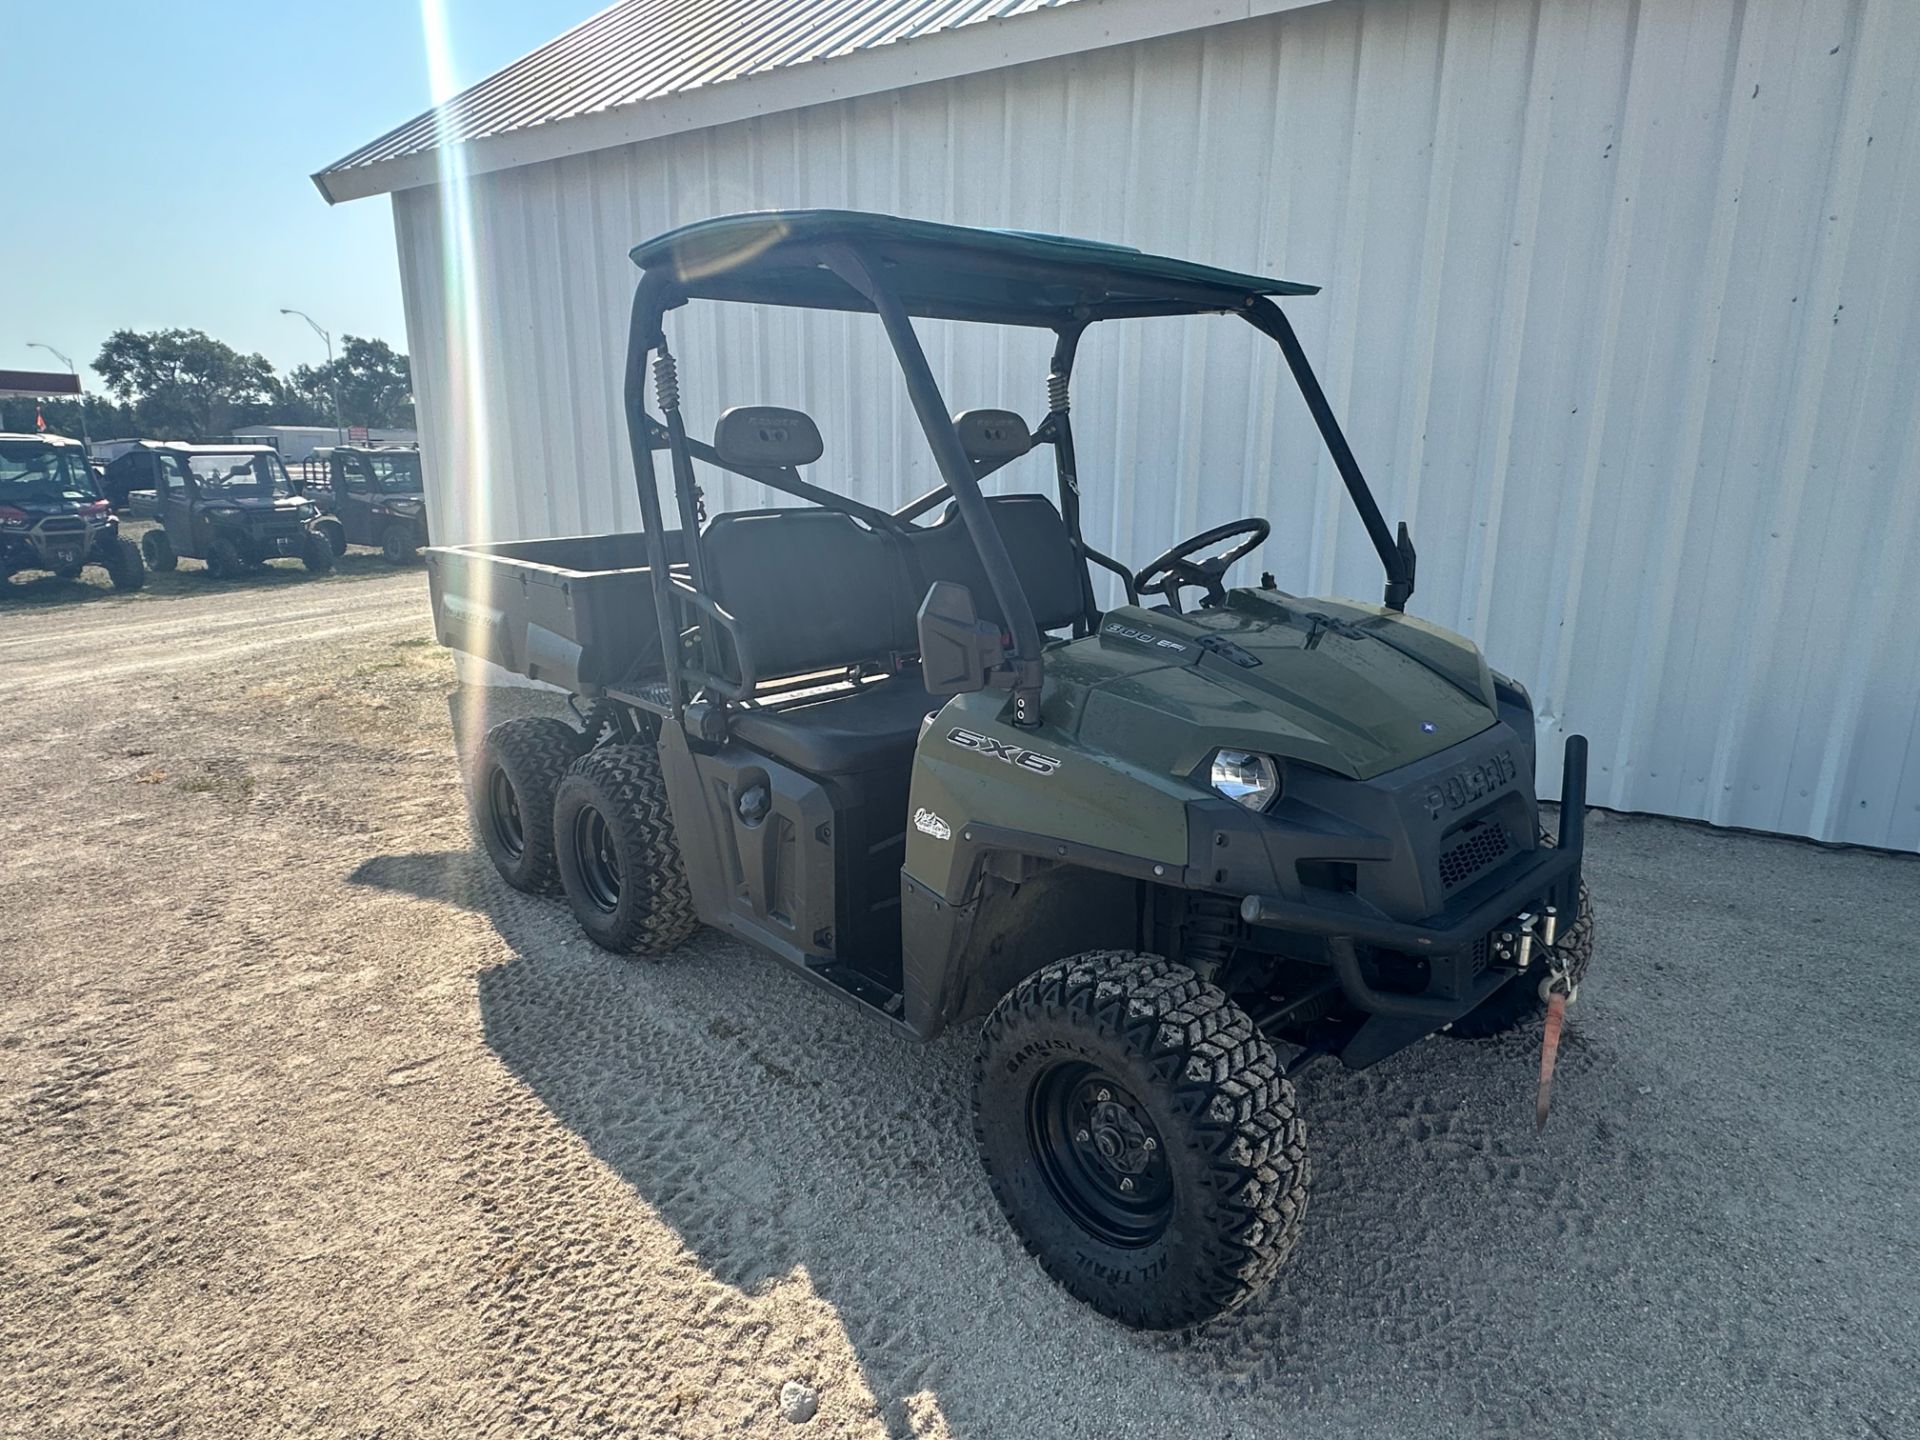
(576, 611)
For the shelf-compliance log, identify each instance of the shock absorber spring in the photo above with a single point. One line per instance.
(1056, 393)
(666, 381)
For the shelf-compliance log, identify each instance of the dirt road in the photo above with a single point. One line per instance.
(310, 1128)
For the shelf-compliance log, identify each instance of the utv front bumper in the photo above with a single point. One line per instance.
(56, 542)
(1455, 948)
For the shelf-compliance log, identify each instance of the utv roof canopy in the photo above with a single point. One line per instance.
(949, 272)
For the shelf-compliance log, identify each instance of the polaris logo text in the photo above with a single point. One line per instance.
(1031, 760)
(928, 823)
(1471, 783)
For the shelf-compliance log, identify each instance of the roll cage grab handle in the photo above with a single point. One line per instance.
(655, 296)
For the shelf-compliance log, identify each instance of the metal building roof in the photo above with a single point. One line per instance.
(641, 69)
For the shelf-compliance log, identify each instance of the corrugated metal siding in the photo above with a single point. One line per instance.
(1622, 314)
(647, 49)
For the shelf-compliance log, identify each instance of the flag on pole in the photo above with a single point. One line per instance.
(39, 419)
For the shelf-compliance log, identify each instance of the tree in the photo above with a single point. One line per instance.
(373, 380)
(184, 383)
(105, 420)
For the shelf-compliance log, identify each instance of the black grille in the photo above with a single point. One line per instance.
(62, 524)
(1482, 952)
(1476, 848)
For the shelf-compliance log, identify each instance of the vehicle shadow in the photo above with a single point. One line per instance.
(783, 1135)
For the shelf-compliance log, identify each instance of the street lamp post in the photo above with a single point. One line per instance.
(85, 438)
(333, 389)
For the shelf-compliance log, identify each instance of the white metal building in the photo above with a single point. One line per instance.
(1621, 311)
(299, 442)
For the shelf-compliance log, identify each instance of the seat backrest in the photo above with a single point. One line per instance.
(812, 589)
(1037, 544)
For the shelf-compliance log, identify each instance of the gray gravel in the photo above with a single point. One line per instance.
(311, 1127)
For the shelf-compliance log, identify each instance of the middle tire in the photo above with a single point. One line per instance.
(1140, 1137)
(619, 859)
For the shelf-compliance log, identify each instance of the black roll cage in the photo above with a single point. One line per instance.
(960, 479)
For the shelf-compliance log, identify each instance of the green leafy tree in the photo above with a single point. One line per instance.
(293, 406)
(105, 420)
(373, 380)
(186, 384)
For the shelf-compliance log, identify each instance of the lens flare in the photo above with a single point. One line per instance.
(456, 424)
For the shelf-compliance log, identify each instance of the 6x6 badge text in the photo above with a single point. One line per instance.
(1029, 760)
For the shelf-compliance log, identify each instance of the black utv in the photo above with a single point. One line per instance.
(1159, 855)
(372, 495)
(231, 506)
(53, 518)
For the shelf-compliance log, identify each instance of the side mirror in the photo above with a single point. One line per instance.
(958, 650)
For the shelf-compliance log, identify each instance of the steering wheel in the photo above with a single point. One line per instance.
(1175, 570)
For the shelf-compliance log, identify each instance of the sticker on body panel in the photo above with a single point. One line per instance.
(928, 823)
(1029, 760)
(1143, 637)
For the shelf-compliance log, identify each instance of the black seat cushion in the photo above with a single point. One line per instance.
(812, 589)
(1037, 544)
(817, 590)
(872, 728)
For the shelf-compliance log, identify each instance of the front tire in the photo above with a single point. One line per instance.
(619, 859)
(223, 560)
(158, 551)
(1139, 1137)
(316, 553)
(396, 544)
(513, 786)
(124, 566)
(336, 534)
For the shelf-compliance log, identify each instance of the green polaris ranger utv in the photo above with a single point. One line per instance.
(230, 506)
(372, 495)
(52, 516)
(1154, 848)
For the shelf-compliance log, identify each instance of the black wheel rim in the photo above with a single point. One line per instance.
(503, 815)
(599, 861)
(1100, 1154)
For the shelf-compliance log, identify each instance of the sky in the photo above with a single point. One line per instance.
(157, 163)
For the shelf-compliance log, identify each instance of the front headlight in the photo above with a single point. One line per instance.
(1240, 775)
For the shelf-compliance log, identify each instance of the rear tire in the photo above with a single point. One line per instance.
(158, 551)
(316, 553)
(223, 560)
(1139, 1137)
(512, 793)
(396, 543)
(619, 858)
(124, 566)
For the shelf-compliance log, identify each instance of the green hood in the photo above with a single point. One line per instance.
(1350, 688)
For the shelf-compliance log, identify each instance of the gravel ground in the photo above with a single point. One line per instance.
(311, 1128)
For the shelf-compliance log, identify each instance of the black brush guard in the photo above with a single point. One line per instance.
(1547, 876)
